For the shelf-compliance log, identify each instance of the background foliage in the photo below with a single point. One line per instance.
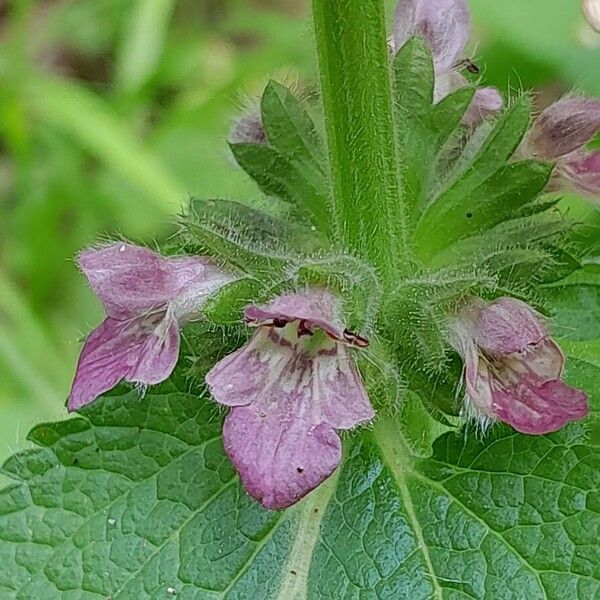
(113, 112)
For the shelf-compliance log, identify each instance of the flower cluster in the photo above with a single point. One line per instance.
(295, 384)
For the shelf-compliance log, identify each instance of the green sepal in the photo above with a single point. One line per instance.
(226, 307)
(355, 281)
(242, 237)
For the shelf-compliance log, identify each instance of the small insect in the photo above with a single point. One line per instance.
(469, 65)
(354, 339)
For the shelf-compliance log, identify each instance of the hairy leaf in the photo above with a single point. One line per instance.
(577, 307)
(290, 129)
(135, 500)
(281, 176)
(464, 212)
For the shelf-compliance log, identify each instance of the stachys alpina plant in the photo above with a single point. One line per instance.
(411, 285)
(296, 381)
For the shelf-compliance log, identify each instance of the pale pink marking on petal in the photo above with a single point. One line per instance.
(506, 326)
(564, 127)
(267, 364)
(545, 361)
(444, 24)
(195, 278)
(538, 409)
(476, 372)
(281, 454)
(479, 390)
(158, 355)
(122, 350)
(337, 379)
(316, 307)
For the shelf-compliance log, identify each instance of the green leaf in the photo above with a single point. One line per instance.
(463, 212)
(421, 128)
(244, 238)
(280, 176)
(448, 112)
(577, 308)
(291, 130)
(500, 144)
(491, 156)
(277, 234)
(134, 499)
(522, 232)
(419, 428)
(414, 81)
(227, 305)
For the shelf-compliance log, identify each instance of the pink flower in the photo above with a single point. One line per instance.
(289, 389)
(561, 133)
(446, 27)
(513, 368)
(146, 298)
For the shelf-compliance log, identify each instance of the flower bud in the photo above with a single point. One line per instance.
(591, 10)
(565, 126)
(248, 128)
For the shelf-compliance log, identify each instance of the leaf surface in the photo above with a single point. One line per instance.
(135, 499)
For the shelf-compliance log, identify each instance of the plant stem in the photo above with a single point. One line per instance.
(355, 82)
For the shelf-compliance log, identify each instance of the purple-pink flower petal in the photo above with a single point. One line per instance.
(508, 325)
(147, 298)
(582, 171)
(534, 408)
(319, 309)
(130, 279)
(486, 102)
(286, 403)
(135, 351)
(281, 454)
(513, 367)
(444, 24)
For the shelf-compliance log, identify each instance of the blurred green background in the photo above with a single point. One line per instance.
(113, 112)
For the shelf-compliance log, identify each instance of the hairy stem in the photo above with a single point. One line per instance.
(356, 88)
